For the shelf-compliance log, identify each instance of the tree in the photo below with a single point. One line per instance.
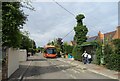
(80, 35)
(59, 43)
(67, 48)
(12, 20)
(26, 43)
(80, 30)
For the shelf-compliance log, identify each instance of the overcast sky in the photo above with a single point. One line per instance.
(50, 21)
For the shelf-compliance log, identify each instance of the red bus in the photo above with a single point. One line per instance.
(50, 51)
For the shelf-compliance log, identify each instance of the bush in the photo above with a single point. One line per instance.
(77, 53)
(68, 49)
(107, 52)
(98, 55)
(111, 55)
(114, 62)
(74, 52)
(113, 59)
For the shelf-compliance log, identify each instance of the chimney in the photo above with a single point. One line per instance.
(101, 35)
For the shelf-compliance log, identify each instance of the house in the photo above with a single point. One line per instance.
(90, 44)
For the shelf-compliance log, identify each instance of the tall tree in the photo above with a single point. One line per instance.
(12, 20)
(80, 30)
(80, 36)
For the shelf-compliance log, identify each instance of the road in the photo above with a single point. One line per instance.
(48, 68)
(42, 68)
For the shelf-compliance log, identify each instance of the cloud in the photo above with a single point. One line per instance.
(50, 21)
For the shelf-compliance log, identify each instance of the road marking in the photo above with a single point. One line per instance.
(73, 76)
(64, 71)
(102, 74)
(75, 71)
(22, 75)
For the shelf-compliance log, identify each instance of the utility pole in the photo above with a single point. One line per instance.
(103, 55)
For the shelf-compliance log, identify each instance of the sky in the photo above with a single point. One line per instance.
(50, 21)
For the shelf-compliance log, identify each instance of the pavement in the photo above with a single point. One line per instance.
(19, 73)
(93, 68)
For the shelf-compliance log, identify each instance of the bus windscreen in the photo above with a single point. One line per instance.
(51, 50)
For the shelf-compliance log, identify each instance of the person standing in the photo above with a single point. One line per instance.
(89, 59)
(85, 57)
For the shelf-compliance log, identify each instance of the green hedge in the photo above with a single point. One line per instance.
(114, 62)
(114, 57)
(111, 55)
(98, 55)
(77, 53)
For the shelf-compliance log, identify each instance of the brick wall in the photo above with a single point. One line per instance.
(117, 34)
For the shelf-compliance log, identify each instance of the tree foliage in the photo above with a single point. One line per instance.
(80, 30)
(67, 48)
(12, 19)
(26, 42)
(80, 36)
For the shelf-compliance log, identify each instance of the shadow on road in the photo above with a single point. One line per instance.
(37, 70)
(37, 60)
(40, 70)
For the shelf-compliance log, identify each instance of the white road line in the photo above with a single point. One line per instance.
(74, 70)
(21, 77)
(64, 71)
(73, 76)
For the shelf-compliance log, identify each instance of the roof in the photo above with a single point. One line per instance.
(109, 34)
(49, 46)
(89, 44)
(92, 38)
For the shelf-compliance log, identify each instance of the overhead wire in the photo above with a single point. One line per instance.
(69, 13)
(67, 34)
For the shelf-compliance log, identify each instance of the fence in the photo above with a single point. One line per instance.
(13, 61)
(22, 55)
(10, 60)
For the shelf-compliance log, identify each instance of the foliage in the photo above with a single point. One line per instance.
(111, 54)
(116, 43)
(67, 48)
(113, 60)
(80, 36)
(74, 52)
(77, 53)
(98, 55)
(40, 49)
(107, 52)
(27, 43)
(12, 19)
(80, 30)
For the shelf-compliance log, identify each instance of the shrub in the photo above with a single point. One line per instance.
(77, 53)
(68, 49)
(112, 55)
(74, 52)
(114, 62)
(98, 55)
(107, 52)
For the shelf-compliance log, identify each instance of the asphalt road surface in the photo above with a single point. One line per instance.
(48, 68)
(40, 68)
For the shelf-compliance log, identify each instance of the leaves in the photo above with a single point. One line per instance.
(80, 30)
(12, 19)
